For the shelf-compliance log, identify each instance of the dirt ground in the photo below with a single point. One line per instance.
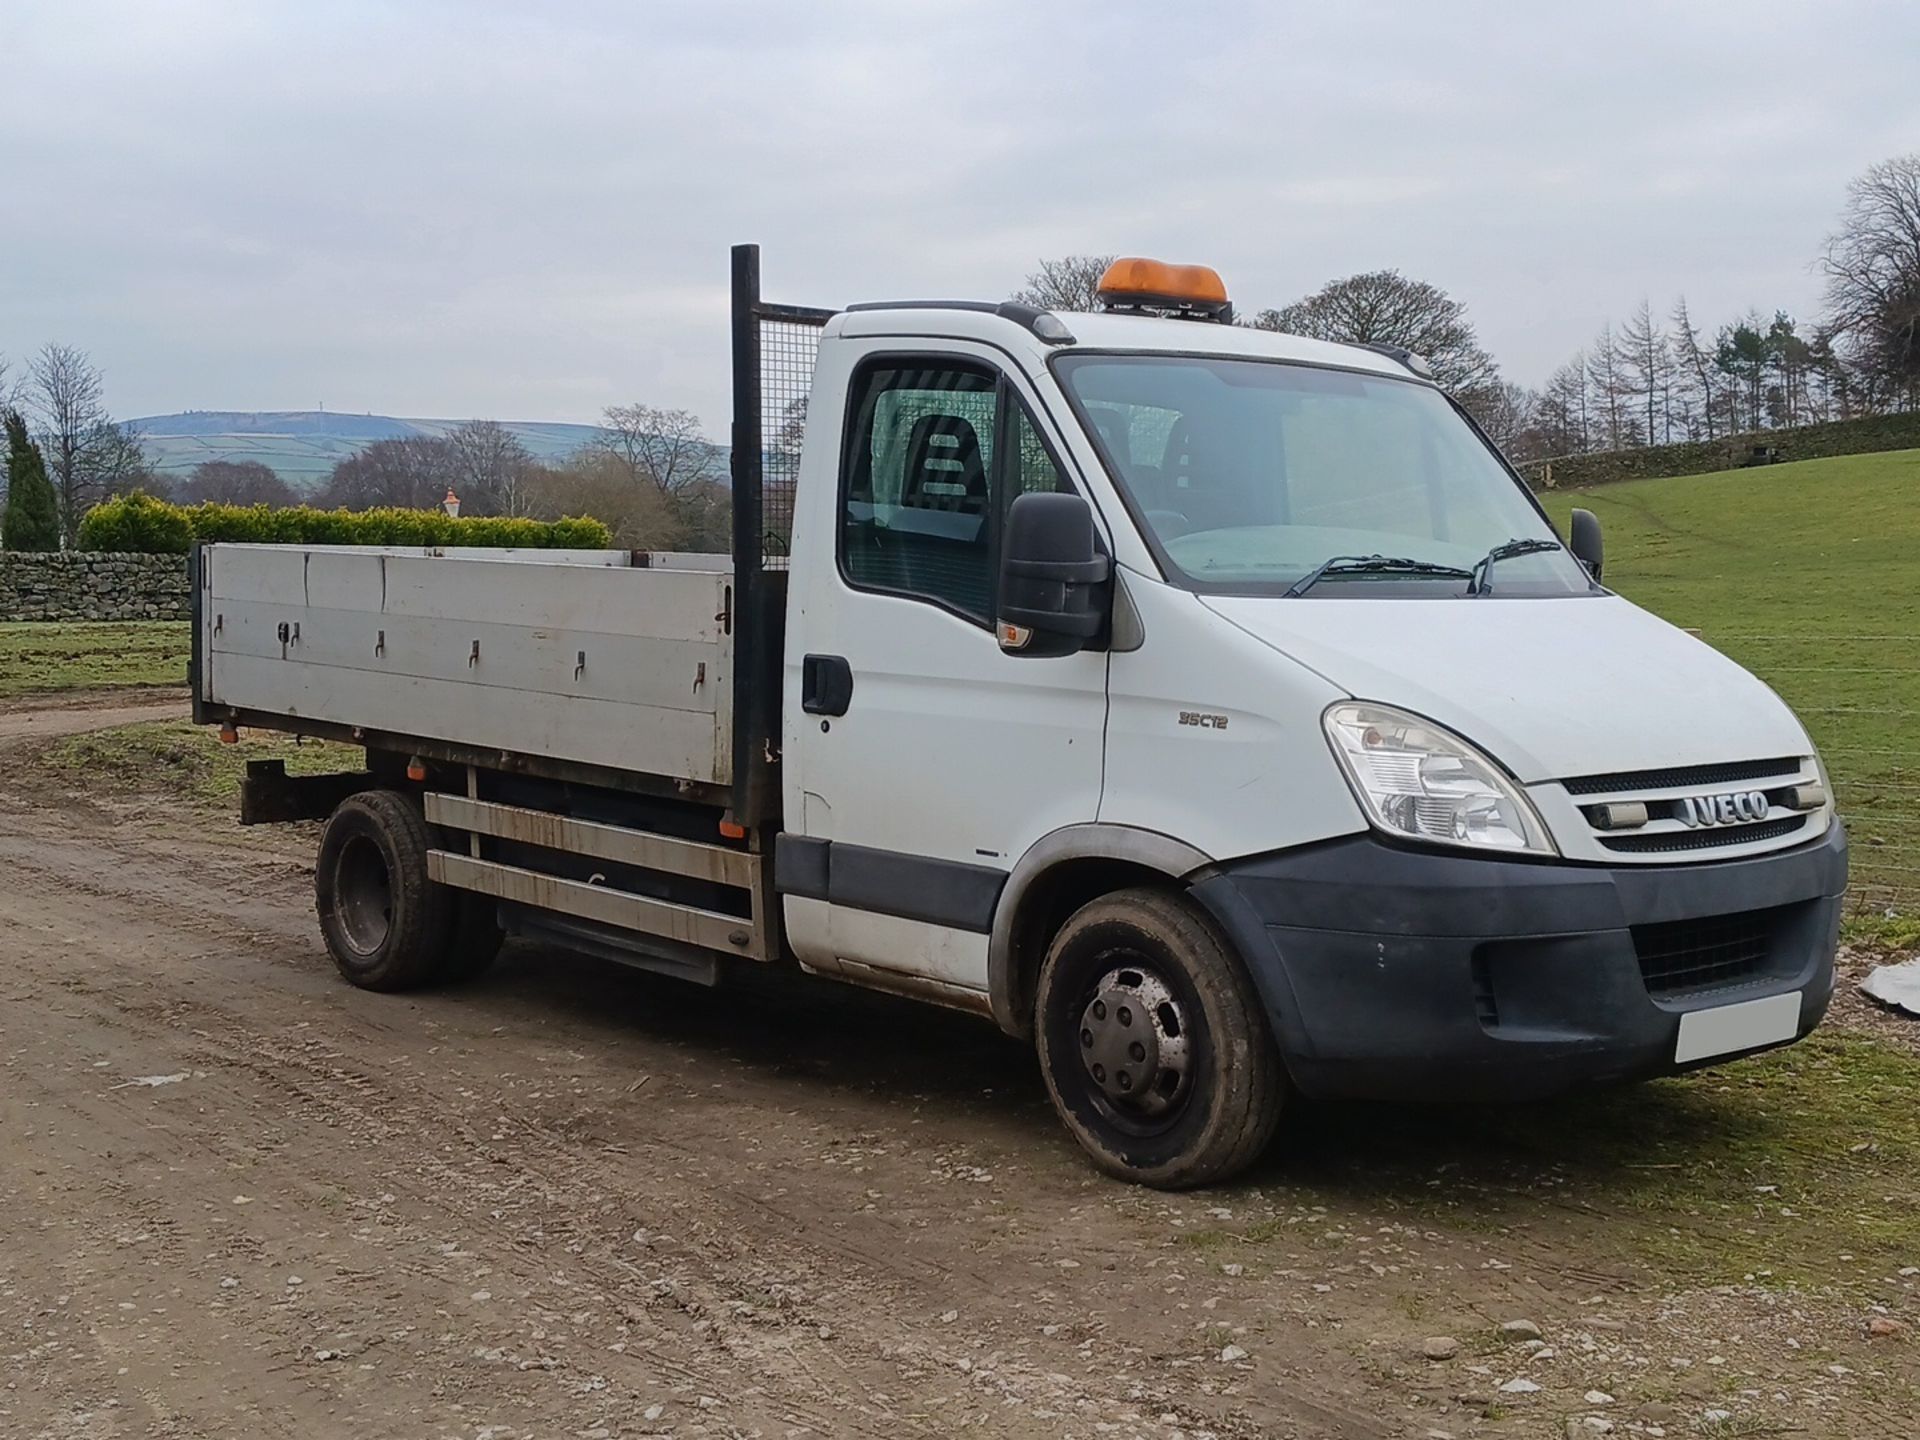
(240, 1198)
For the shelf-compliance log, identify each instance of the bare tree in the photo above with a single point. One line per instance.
(1694, 364)
(493, 468)
(414, 473)
(793, 429)
(1563, 409)
(662, 448)
(234, 482)
(1511, 415)
(594, 482)
(705, 514)
(1071, 282)
(119, 464)
(1606, 373)
(65, 391)
(1385, 307)
(1644, 349)
(13, 387)
(1872, 267)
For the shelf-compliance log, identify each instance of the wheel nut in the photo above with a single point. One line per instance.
(1086, 1039)
(1099, 1009)
(1125, 1015)
(1126, 1081)
(1100, 1073)
(1137, 1050)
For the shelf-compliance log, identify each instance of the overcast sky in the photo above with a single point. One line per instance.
(523, 210)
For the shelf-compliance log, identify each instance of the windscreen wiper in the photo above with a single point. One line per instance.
(1483, 569)
(1373, 565)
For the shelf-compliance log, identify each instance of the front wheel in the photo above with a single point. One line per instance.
(1154, 1045)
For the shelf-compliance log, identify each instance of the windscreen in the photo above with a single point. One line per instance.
(1252, 474)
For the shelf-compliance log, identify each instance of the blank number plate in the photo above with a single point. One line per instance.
(1728, 1028)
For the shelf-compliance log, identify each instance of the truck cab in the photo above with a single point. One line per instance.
(1145, 606)
(1214, 708)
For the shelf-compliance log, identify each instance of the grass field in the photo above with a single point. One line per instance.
(43, 657)
(1806, 574)
(1796, 1167)
(181, 759)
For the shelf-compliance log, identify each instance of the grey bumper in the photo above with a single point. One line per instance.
(1402, 973)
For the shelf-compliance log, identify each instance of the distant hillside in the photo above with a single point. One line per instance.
(302, 446)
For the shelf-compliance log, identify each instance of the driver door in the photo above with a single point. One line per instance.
(927, 759)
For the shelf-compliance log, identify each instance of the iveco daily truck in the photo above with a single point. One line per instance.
(1212, 707)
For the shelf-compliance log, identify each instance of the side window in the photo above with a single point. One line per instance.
(921, 484)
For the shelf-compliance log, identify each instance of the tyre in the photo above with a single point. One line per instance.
(473, 939)
(386, 924)
(1154, 1044)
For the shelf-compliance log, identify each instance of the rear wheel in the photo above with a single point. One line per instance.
(1154, 1045)
(385, 923)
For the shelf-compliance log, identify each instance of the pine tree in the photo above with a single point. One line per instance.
(32, 517)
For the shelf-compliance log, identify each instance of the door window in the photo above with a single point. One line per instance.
(923, 494)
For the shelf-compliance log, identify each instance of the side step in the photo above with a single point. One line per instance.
(640, 848)
(622, 909)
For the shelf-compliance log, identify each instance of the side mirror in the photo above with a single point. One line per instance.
(1586, 544)
(1052, 579)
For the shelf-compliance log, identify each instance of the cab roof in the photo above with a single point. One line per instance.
(983, 320)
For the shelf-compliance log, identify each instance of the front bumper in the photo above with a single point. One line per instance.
(1406, 974)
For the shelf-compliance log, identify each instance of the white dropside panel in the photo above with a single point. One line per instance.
(570, 660)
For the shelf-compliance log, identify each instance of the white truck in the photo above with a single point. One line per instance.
(1215, 708)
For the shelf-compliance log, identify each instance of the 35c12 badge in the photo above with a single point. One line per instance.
(1202, 719)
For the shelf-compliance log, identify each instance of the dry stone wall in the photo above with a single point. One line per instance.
(88, 585)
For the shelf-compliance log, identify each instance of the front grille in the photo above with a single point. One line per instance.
(1687, 777)
(1668, 841)
(1678, 956)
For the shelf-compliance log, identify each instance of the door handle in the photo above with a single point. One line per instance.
(826, 684)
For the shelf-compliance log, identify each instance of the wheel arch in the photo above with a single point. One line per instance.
(1059, 873)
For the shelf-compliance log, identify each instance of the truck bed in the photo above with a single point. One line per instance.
(599, 658)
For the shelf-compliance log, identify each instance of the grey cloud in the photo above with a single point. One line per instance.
(519, 210)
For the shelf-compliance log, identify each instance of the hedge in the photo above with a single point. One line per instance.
(1698, 457)
(138, 522)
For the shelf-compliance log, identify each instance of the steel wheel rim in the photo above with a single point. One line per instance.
(1135, 1045)
(363, 896)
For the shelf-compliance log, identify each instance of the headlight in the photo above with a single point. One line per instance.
(1826, 787)
(1421, 782)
